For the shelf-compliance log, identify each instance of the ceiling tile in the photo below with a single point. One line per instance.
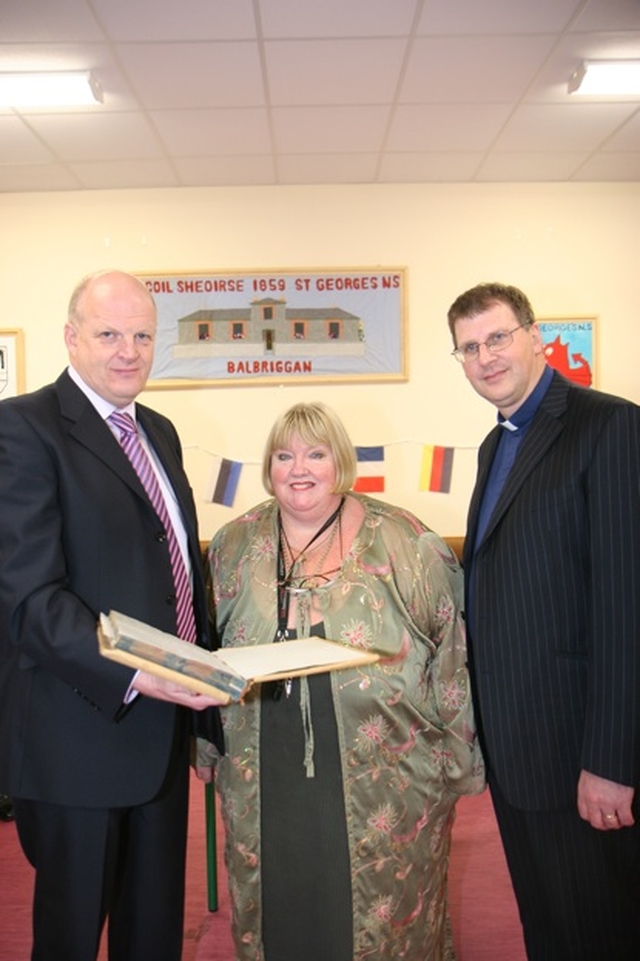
(530, 166)
(35, 177)
(41, 21)
(333, 71)
(335, 18)
(19, 143)
(106, 136)
(467, 17)
(429, 167)
(621, 166)
(191, 132)
(608, 15)
(446, 127)
(566, 127)
(225, 171)
(124, 174)
(626, 137)
(134, 20)
(171, 75)
(327, 168)
(327, 129)
(439, 70)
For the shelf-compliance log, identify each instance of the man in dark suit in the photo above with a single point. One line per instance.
(95, 756)
(552, 564)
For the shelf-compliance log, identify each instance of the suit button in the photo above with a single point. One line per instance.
(171, 599)
(161, 536)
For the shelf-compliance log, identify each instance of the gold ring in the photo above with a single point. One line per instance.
(609, 817)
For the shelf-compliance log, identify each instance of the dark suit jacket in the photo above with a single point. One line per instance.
(78, 536)
(555, 586)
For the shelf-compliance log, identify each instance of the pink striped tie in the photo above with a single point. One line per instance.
(130, 442)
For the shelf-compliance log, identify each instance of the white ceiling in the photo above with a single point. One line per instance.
(236, 92)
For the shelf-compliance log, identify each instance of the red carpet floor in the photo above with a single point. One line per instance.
(483, 912)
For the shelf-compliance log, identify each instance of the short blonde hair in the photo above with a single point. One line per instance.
(315, 424)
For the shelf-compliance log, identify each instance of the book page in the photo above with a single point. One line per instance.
(288, 658)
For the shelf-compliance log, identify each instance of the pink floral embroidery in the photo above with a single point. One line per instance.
(445, 611)
(249, 857)
(243, 769)
(239, 635)
(441, 757)
(383, 819)
(374, 730)
(263, 547)
(382, 908)
(453, 694)
(357, 634)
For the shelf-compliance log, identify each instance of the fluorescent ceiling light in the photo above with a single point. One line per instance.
(613, 77)
(53, 89)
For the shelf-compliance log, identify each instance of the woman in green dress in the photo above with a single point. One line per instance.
(338, 789)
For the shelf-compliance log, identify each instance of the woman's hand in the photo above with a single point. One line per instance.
(204, 758)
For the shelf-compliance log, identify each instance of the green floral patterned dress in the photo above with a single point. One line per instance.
(407, 746)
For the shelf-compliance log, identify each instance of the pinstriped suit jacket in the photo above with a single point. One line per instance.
(555, 634)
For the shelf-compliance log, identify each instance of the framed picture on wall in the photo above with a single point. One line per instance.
(570, 347)
(12, 380)
(282, 326)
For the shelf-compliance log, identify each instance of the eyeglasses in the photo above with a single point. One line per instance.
(494, 344)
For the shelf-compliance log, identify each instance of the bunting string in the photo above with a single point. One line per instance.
(434, 476)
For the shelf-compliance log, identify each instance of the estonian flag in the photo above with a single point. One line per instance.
(223, 481)
(437, 465)
(370, 479)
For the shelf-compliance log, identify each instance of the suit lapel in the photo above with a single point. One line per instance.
(88, 428)
(542, 434)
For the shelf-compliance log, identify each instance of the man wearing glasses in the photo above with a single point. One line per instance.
(552, 562)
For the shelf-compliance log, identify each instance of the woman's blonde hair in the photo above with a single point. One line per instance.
(315, 424)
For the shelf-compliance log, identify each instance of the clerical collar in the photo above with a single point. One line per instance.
(523, 416)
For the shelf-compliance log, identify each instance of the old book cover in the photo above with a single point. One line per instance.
(226, 674)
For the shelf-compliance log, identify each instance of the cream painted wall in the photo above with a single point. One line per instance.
(574, 248)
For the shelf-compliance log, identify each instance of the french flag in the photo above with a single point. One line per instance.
(370, 479)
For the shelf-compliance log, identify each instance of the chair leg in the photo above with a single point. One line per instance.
(210, 822)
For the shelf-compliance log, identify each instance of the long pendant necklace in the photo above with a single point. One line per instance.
(285, 577)
(309, 580)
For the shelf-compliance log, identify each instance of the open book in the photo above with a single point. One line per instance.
(226, 674)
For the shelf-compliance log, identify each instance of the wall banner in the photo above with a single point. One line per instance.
(284, 326)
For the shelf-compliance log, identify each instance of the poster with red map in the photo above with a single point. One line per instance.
(569, 346)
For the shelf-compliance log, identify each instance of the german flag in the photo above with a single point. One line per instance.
(437, 465)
